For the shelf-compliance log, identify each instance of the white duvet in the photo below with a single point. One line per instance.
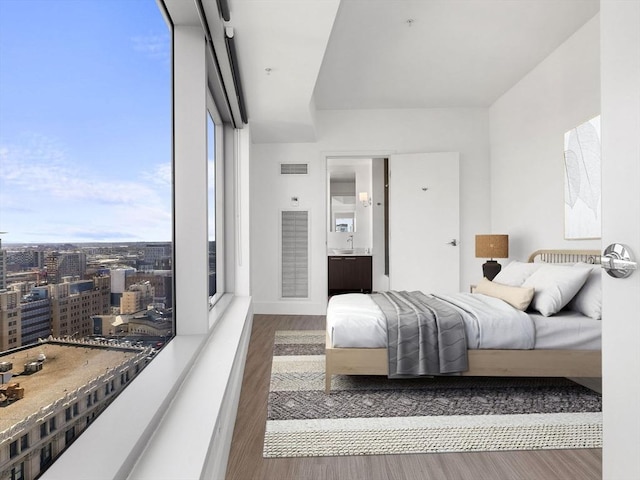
(492, 323)
(355, 321)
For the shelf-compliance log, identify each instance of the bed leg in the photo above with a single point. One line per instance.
(327, 382)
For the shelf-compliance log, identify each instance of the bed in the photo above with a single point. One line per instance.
(566, 334)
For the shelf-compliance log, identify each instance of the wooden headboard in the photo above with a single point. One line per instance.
(565, 256)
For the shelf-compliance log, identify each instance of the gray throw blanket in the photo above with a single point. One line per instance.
(425, 335)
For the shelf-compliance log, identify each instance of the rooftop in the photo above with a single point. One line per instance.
(66, 368)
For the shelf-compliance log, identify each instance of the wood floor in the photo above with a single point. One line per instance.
(246, 462)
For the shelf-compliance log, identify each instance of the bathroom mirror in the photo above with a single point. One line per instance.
(342, 194)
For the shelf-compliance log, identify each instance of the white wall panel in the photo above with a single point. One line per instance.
(527, 144)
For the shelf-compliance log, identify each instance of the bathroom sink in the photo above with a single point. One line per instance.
(344, 251)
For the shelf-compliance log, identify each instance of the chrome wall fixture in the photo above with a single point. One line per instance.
(618, 261)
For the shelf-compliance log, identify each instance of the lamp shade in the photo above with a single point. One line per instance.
(492, 246)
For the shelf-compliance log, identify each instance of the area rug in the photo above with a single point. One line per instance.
(370, 415)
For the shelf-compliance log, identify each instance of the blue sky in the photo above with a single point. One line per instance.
(85, 121)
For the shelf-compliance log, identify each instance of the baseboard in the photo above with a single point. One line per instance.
(290, 308)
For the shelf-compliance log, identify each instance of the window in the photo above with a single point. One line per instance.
(69, 435)
(17, 472)
(215, 201)
(92, 147)
(211, 202)
(45, 456)
(24, 442)
(194, 322)
(13, 449)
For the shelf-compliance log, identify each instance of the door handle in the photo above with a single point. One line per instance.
(453, 243)
(618, 261)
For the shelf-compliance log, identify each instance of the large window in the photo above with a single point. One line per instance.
(85, 195)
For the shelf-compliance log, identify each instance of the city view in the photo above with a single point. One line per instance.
(77, 323)
(86, 267)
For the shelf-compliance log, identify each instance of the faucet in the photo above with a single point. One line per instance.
(350, 241)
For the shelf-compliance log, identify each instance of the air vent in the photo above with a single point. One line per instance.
(295, 254)
(294, 168)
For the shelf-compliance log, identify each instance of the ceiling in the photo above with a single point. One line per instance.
(300, 56)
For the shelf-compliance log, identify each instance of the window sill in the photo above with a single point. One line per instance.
(188, 384)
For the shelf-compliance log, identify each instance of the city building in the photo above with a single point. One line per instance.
(35, 317)
(137, 297)
(29, 312)
(161, 282)
(119, 285)
(65, 264)
(157, 256)
(3, 266)
(10, 320)
(57, 400)
(74, 303)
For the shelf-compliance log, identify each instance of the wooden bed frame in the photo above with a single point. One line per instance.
(486, 363)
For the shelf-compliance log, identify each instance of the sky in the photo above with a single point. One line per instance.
(85, 121)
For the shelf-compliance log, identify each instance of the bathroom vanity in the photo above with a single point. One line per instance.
(349, 271)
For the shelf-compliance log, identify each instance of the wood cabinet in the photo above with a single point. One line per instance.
(350, 273)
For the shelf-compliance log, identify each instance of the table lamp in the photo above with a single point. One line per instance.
(492, 246)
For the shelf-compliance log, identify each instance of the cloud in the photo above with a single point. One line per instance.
(41, 167)
(155, 47)
(79, 202)
(161, 175)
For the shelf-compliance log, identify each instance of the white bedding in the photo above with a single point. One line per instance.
(354, 320)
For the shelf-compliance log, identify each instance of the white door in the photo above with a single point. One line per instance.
(620, 63)
(424, 222)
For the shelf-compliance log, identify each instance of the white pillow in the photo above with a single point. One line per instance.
(517, 297)
(588, 301)
(555, 286)
(515, 273)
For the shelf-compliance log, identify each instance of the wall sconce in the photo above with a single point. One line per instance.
(492, 246)
(364, 198)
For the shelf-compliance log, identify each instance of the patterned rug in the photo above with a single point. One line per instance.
(369, 415)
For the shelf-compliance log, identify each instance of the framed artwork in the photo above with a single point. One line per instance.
(582, 181)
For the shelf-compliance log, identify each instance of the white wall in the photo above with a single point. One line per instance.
(527, 142)
(374, 133)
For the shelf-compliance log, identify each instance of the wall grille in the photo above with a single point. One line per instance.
(294, 168)
(295, 254)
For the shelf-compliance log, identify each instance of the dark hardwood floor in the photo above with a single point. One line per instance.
(246, 461)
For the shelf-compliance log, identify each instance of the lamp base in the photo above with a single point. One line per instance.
(490, 269)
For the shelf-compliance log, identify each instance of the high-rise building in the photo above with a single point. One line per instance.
(73, 305)
(160, 280)
(136, 298)
(157, 255)
(35, 313)
(10, 325)
(3, 266)
(65, 264)
(119, 283)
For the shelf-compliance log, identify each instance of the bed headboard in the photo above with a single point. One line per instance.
(565, 256)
